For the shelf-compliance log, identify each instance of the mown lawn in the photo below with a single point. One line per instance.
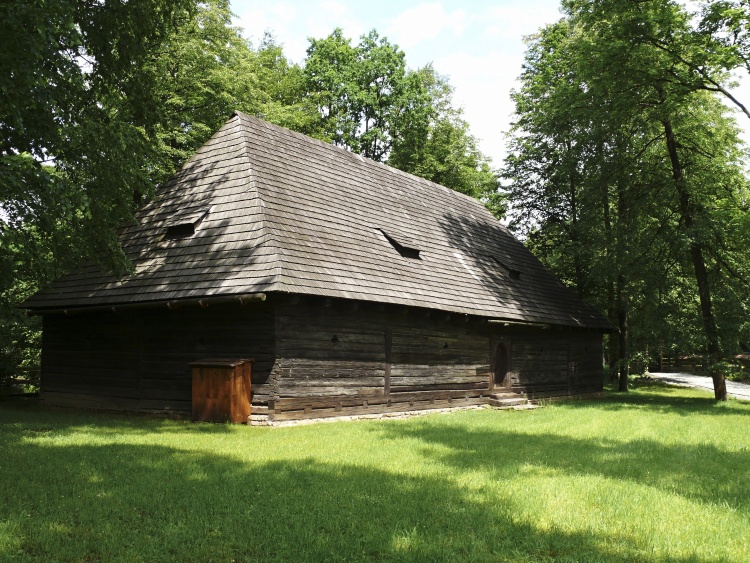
(662, 474)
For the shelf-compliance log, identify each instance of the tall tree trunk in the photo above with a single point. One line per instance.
(699, 264)
(622, 298)
(613, 349)
(709, 322)
(622, 324)
(612, 342)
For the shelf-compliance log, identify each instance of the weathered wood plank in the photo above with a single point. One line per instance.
(316, 391)
(319, 383)
(439, 387)
(326, 412)
(283, 404)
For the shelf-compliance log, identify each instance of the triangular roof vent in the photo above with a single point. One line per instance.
(512, 272)
(403, 244)
(183, 224)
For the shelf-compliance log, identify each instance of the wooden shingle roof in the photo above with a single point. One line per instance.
(271, 210)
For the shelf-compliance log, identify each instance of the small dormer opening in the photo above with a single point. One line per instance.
(512, 273)
(404, 247)
(184, 226)
(182, 230)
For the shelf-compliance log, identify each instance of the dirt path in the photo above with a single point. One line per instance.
(737, 390)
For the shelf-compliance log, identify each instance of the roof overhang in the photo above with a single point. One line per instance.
(173, 304)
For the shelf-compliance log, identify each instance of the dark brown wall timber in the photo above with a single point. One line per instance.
(557, 362)
(138, 360)
(338, 356)
(336, 350)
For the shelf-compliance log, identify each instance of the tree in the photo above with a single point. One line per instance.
(205, 70)
(566, 172)
(677, 68)
(357, 90)
(369, 102)
(77, 114)
(77, 123)
(435, 142)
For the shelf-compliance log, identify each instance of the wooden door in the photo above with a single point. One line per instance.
(502, 366)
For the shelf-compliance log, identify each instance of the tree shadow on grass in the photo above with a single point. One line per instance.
(154, 503)
(33, 416)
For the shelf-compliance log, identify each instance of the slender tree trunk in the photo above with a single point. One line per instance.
(622, 324)
(622, 298)
(709, 322)
(613, 348)
(612, 342)
(661, 358)
(699, 265)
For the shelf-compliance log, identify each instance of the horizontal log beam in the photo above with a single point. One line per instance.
(172, 305)
(328, 412)
(298, 403)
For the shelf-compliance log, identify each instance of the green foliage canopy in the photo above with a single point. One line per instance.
(369, 102)
(78, 114)
(205, 70)
(626, 172)
(76, 118)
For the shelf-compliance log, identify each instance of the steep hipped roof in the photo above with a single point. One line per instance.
(260, 208)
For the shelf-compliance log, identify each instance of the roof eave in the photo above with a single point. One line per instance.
(169, 304)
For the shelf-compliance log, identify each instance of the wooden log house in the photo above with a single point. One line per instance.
(356, 288)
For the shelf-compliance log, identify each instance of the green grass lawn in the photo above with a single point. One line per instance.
(661, 474)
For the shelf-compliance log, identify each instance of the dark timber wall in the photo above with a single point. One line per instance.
(139, 360)
(313, 358)
(341, 358)
(549, 363)
(347, 359)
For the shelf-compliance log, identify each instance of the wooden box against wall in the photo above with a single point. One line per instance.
(221, 390)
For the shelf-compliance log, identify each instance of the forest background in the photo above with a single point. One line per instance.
(625, 172)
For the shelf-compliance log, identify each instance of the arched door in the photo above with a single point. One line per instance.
(502, 366)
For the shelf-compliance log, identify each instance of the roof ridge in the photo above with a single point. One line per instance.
(268, 237)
